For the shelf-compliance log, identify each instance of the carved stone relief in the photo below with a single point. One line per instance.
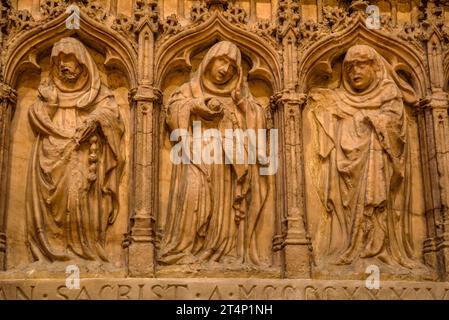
(77, 159)
(363, 172)
(70, 156)
(219, 213)
(99, 153)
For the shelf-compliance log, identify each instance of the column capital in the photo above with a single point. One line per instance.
(7, 93)
(438, 100)
(145, 93)
(288, 97)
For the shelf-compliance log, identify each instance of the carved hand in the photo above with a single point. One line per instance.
(238, 100)
(48, 93)
(214, 109)
(84, 131)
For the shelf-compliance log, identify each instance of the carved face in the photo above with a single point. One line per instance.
(360, 73)
(222, 69)
(69, 69)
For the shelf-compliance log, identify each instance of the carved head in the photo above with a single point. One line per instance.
(222, 69)
(69, 68)
(73, 70)
(360, 67)
(71, 65)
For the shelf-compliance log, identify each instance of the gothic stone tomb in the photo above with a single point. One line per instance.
(255, 149)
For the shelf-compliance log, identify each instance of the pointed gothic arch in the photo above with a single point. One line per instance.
(27, 47)
(406, 60)
(177, 51)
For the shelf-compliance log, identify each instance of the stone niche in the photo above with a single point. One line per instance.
(19, 257)
(99, 109)
(186, 79)
(339, 168)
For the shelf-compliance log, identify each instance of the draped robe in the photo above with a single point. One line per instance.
(214, 209)
(365, 175)
(72, 193)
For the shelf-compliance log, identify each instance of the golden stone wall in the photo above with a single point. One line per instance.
(92, 92)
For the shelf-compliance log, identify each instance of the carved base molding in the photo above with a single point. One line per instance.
(118, 133)
(217, 289)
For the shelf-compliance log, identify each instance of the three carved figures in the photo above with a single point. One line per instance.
(358, 196)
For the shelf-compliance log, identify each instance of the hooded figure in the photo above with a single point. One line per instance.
(77, 159)
(215, 209)
(365, 175)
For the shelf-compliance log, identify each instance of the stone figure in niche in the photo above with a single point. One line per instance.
(77, 159)
(214, 209)
(364, 151)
